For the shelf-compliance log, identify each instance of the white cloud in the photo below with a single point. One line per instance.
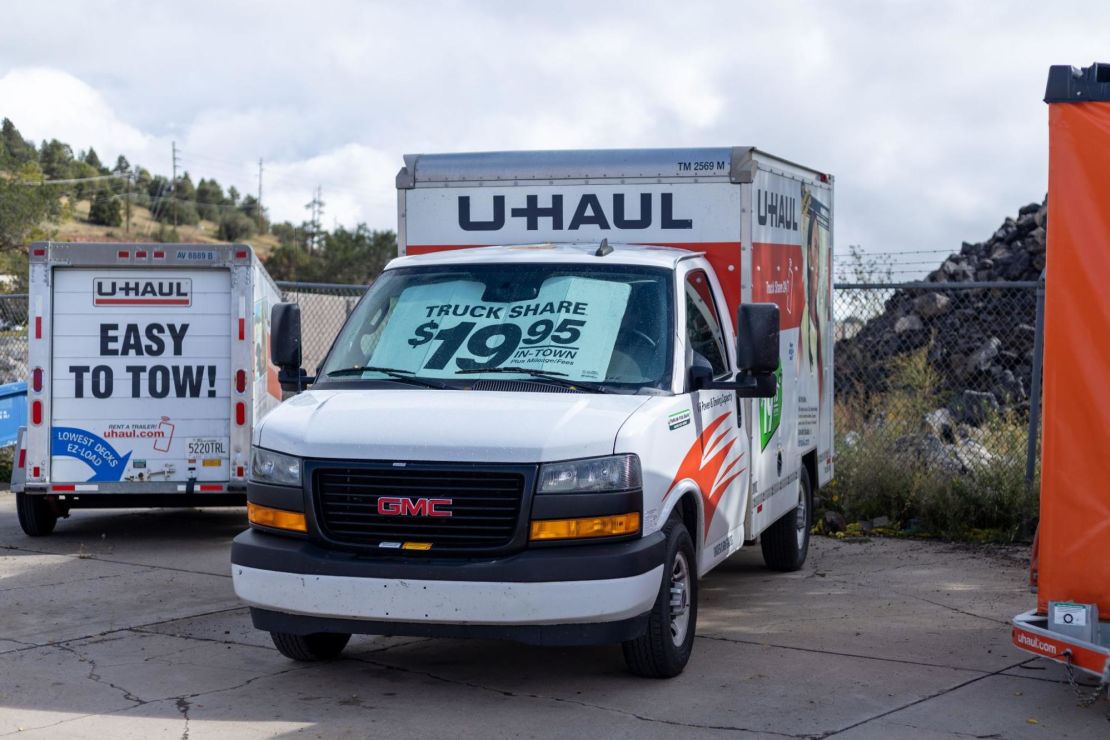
(52, 104)
(928, 112)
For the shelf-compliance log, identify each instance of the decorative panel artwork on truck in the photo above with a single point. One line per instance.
(791, 259)
(141, 375)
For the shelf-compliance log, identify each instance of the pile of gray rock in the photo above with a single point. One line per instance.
(978, 341)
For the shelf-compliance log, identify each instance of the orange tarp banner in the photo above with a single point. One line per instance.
(1074, 548)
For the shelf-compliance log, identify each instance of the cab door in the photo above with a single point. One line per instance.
(723, 474)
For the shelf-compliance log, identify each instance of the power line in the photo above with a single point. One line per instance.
(69, 181)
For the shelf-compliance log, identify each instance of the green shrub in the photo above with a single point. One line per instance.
(890, 463)
(234, 226)
(105, 210)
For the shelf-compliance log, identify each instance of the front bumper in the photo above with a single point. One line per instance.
(573, 594)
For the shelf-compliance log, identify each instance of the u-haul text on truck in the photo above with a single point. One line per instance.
(148, 365)
(553, 437)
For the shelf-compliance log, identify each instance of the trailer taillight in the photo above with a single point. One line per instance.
(140, 255)
(240, 413)
(36, 380)
(123, 254)
(38, 252)
(240, 254)
(159, 254)
(240, 381)
(36, 412)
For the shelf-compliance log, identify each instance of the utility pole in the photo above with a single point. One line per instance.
(260, 195)
(173, 185)
(316, 208)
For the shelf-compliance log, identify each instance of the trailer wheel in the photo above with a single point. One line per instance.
(36, 515)
(318, 646)
(664, 650)
(786, 542)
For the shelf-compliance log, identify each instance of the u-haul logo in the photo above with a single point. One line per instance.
(554, 213)
(142, 292)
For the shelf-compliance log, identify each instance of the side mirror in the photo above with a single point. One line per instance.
(757, 338)
(285, 346)
(285, 335)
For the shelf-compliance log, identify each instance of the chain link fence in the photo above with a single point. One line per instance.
(324, 308)
(936, 388)
(13, 337)
(934, 384)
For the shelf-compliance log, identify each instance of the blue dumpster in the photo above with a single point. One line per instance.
(13, 411)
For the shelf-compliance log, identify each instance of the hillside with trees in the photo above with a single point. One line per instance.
(49, 191)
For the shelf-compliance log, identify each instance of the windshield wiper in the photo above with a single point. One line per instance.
(550, 376)
(405, 376)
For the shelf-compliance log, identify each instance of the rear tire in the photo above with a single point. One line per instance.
(664, 649)
(309, 648)
(786, 542)
(37, 516)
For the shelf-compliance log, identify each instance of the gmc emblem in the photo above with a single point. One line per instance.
(396, 506)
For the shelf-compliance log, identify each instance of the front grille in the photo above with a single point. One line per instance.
(485, 506)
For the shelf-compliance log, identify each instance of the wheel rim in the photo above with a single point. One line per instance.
(801, 519)
(680, 599)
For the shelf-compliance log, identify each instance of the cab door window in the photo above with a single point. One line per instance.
(703, 324)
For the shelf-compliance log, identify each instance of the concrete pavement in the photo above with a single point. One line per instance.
(124, 624)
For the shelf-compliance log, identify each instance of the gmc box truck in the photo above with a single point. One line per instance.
(552, 439)
(148, 365)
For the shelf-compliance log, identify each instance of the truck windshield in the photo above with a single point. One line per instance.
(607, 327)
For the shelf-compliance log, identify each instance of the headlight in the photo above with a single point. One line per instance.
(613, 473)
(275, 468)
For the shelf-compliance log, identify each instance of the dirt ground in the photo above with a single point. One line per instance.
(124, 624)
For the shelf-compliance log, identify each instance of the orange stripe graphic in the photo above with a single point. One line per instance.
(705, 471)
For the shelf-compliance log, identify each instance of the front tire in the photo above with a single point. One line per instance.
(310, 648)
(664, 649)
(786, 542)
(37, 516)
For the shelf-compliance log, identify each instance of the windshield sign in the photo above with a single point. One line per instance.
(600, 325)
(570, 327)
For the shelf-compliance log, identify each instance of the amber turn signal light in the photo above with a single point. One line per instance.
(264, 516)
(585, 527)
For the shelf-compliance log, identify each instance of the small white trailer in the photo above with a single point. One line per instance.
(148, 365)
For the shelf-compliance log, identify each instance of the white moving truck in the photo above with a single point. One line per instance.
(148, 365)
(551, 441)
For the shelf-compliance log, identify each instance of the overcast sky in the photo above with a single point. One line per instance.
(929, 114)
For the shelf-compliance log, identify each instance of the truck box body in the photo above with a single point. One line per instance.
(764, 224)
(149, 364)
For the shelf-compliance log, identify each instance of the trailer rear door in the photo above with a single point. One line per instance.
(141, 376)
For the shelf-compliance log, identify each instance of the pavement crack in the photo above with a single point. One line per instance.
(93, 556)
(578, 703)
(756, 643)
(95, 677)
(923, 699)
(64, 583)
(183, 707)
(118, 630)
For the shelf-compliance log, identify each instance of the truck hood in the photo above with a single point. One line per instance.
(446, 425)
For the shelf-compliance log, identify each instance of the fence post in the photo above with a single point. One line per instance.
(1035, 391)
